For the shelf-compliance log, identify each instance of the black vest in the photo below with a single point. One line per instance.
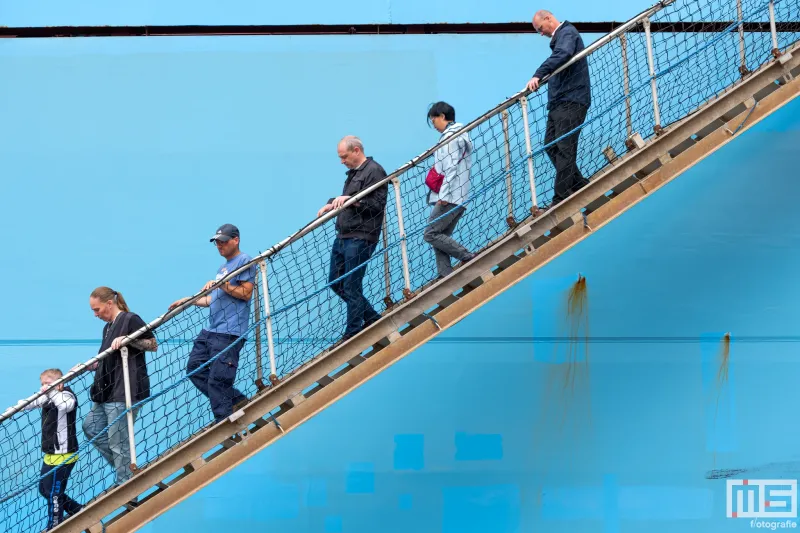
(59, 436)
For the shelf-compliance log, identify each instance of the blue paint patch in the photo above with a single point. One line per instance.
(360, 478)
(333, 524)
(649, 503)
(405, 502)
(479, 447)
(284, 504)
(316, 493)
(644, 503)
(492, 508)
(409, 452)
(611, 503)
(572, 503)
(720, 413)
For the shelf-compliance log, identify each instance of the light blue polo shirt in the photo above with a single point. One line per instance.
(228, 314)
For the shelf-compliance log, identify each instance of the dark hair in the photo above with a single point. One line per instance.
(441, 108)
(106, 294)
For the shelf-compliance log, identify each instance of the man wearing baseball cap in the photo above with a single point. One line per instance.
(229, 317)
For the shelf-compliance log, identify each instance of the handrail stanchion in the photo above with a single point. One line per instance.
(127, 380)
(259, 370)
(773, 30)
(523, 102)
(273, 376)
(626, 86)
(387, 273)
(509, 192)
(740, 16)
(649, 38)
(403, 245)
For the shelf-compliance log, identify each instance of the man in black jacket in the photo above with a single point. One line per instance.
(357, 230)
(568, 100)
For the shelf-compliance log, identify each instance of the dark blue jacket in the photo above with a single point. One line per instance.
(571, 84)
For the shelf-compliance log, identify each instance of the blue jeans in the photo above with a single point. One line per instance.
(346, 255)
(114, 446)
(216, 380)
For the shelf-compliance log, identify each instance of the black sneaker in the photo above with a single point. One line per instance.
(368, 323)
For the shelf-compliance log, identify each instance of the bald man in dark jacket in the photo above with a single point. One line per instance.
(568, 100)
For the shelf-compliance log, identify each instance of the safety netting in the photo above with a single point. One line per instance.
(689, 67)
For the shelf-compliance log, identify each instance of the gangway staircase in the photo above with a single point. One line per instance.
(627, 180)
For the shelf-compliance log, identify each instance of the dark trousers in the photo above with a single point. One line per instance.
(53, 487)
(438, 234)
(563, 154)
(216, 380)
(346, 255)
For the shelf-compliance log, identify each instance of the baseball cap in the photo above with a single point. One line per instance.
(225, 233)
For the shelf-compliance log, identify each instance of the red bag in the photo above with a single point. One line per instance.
(434, 180)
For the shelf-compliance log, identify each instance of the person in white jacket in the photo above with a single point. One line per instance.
(453, 161)
(59, 445)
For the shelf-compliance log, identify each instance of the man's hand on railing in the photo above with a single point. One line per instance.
(533, 84)
(205, 301)
(340, 200)
(324, 209)
(177, 303)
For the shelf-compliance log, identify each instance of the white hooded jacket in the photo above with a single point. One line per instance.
(454, 161)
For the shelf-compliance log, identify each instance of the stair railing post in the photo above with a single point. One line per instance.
(259, 369)
(273, 376)
(772, 29)
(129, 414)
(653, 85)
(523, 102)
(403, 245)
(626, 85)
(387, 273)
(739, 15)
(509, 192)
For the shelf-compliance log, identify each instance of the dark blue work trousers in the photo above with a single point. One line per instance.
(216, 380)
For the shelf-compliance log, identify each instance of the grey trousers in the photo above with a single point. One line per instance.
(113, 446)
(438, 234)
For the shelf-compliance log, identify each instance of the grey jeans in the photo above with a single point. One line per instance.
(113, 445)
(438, 234)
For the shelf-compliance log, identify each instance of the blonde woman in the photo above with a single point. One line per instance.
(108, 390)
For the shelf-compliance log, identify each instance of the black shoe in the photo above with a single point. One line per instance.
(368, 323)
(346, 337)
(241, 404)
(66, 512)
(467, 260)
